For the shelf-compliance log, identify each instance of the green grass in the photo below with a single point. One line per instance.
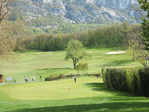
(51, 90)
(88, 95)
(35, 63)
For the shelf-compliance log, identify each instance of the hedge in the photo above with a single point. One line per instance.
(134, 80)
(61, 76)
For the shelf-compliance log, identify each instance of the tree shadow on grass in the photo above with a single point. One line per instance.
(101, 107)
(99, 87)
(102, 88)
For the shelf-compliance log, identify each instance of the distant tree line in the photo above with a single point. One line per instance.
(112, 35)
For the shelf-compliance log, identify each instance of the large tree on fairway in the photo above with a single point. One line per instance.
(75, 51)
(144, 4)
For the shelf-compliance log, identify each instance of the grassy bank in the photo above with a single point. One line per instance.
(87, 95)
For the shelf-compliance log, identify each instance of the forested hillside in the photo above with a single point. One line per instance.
(112, 35)
(49, 24)
(57, 16)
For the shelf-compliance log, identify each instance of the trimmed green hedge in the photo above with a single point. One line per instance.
(61, 76)
(134, 80)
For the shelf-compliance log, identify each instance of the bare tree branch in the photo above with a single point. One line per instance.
(4, 10)
(136, 47)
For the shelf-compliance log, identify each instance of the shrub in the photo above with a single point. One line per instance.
(114, 78)
(134, 80)
(97, 75)
(61, 76)
(108, 78)
(144, 81)
(103, 75)
(118, 79)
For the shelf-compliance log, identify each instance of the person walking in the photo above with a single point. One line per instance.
(40, 78)
(33, 78)
(26, 80)
(75, 79)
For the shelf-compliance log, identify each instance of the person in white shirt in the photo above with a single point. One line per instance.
(26, 80)
(75, 79)
(33, 78)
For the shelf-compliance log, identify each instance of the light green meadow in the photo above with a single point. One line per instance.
(44, 64)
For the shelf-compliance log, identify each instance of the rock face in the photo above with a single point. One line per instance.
(79, 11)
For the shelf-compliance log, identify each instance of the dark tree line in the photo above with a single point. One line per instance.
(112, 35)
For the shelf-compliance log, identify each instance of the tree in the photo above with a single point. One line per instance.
(9, 31)
(136, 48)
(75, 51)
(84, 67)
(144, 4)
(79, 67)
(139, 46)
(5, 9)
(5, 42)
(134, 41)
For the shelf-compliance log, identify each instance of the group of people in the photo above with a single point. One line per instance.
(26, 79)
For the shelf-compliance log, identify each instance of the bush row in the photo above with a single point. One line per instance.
(134, 80)
(61, 76)
(113, 35)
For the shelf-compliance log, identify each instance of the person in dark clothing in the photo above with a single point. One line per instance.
(40, 78)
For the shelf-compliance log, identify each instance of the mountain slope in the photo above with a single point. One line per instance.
(51, 14)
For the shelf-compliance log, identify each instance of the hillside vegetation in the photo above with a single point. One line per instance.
(50, 15)
(109, 36)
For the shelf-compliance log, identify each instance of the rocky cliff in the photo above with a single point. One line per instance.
(57, 12)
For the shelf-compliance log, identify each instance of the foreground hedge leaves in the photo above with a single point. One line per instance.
(134, 80)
